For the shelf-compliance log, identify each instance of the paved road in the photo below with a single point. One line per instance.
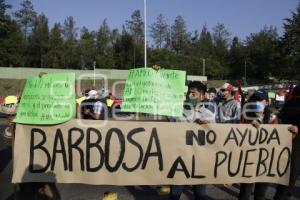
(90, 192)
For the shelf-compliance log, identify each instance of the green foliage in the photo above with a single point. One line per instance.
(71, 56)
(291, 46)
(87, 46)
(27, 41)
(11, 43)
(135, 26)
(26, 16)
(105, 40)
(38, 42)
(179, 35)
(262, 53)
(159, 31)
(55, 53)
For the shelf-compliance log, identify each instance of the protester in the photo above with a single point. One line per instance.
(212, 94)
(280, 97)
(290, 114)
(92, 107)
(9, 109)
(200, 114)
(259, 114)
(229, 110)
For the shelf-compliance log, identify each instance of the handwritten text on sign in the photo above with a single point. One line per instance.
(49, 99)
(157, 92)
(130, 153)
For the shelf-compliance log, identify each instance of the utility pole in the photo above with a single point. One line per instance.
(94, 65)
(203, 66)
(145, 33)
(245, 65)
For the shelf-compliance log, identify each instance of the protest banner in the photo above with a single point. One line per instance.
(159, 92)
(49, 99)
(152, 153)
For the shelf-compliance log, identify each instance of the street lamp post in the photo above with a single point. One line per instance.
(94, 66)
(145, 33)
(245, 71)
(203, 66)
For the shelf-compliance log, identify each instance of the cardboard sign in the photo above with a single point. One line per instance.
(156, 92)
(151, 153)
(49, 99)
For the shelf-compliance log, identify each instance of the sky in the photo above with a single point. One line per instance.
(241, 17)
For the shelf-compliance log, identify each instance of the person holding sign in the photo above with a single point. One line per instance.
(290, 114)
(92, 107)
(201, 113)
(257, 112)
(229, 110)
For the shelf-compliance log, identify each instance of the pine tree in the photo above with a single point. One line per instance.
(71, 50)
(180, 36)
(291, 45)
(159, 31)
(26, 16)
(39, 42)
(55, 54)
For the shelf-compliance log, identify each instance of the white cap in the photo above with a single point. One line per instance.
(92, 94)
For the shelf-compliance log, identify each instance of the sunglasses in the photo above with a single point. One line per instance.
(222, 90)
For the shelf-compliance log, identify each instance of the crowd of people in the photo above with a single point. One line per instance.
(208, 105)
(204, 106)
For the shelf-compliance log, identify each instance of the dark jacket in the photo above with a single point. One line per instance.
(290, 114)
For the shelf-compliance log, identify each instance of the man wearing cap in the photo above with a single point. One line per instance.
(92, 107)
(280, 97)
(256, 112)
(229, 110)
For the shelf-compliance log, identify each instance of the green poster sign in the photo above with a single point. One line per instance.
(49, 99)
(271, 95)
(156, 92)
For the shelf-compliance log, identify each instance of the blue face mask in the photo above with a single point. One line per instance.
(257, 106)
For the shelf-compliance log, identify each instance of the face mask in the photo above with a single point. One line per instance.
(193, 101)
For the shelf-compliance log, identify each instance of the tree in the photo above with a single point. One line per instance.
(236, 59)
(159, 31)
(123, 51)
(105, 41)
(39, 42)
(3, 8)
(221, 37)
(179, 35)
(201, 47)
(55, 58)
(87, 46)
(263, 53)
(25, 16)
(11, 42)
(205, 43)
(135, 26)
(291, 45)
(71, 50)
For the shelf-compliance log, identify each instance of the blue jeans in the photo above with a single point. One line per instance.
(176, 190)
